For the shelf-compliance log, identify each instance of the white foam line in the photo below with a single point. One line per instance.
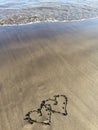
(67, 21)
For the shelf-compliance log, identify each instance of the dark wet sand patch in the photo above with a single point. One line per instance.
(44, 59)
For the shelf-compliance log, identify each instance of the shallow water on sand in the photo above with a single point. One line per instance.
(26, 11)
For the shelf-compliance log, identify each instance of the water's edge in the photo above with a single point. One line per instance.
(55, 21)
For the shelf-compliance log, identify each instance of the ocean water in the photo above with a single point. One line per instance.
(27, 11)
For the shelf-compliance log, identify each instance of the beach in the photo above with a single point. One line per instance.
(43, 59)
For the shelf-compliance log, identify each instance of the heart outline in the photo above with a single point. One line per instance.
(56, 103)
(39, 111)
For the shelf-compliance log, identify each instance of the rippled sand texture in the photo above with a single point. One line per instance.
(40, 60)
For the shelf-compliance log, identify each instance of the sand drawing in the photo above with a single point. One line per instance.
(50, 106)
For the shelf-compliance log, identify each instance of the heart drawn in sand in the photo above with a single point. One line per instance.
(58, 104)
(41, 115)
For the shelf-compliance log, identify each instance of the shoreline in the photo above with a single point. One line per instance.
(50, 21)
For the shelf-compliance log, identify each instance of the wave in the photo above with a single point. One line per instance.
(59, 12)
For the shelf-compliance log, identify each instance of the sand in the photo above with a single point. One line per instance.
(40, 60)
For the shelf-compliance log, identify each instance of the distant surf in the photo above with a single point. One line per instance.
(26, 11)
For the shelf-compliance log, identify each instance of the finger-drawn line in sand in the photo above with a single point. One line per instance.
(49, 105)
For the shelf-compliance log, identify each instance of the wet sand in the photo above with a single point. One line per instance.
(40, 60)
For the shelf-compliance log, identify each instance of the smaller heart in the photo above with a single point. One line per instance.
(58, 104)
(41, 116)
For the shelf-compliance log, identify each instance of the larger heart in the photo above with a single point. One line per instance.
(41, 115)
(58, 104)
